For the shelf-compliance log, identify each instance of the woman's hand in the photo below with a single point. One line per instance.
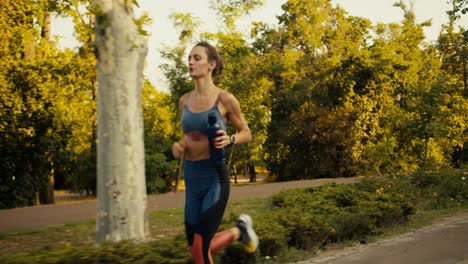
(178, 149)
(223, 140)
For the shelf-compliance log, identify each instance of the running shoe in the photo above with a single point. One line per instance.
(247, 234)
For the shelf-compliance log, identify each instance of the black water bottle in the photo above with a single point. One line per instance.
(216, 154)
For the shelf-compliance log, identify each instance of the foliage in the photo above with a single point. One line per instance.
(347, 103)
(315, 115)
(44, 130)
(326, 94)
(159, 128)
(337, 213)
(175, 68)
(459, 6)
(444, 189)
(162, 251)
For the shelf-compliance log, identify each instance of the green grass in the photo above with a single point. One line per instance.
(68, 235)
(166, 223)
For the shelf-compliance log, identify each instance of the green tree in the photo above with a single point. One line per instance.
(314, 128)
(397, 79)
(82, 178)
(18, 186)
(37, 85)
(459, 6)
(453, 49)
(175, 69)
(159, 115)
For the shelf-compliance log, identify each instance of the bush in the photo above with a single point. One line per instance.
(306, 231)
(236, 254)
(273, 236)
(392, 184)
(159, 172)
(445, 189)
(334, 213)
(171, 251)
(351, 225)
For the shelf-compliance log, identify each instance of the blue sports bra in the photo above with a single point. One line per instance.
(198, 121)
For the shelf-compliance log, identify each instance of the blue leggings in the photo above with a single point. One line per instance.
(206, 196)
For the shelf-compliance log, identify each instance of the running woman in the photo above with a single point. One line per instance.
(207, 182)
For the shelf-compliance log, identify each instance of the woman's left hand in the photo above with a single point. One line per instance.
(223, 140)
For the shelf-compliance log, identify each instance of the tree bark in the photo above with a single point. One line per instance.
(121, 52)
(252, 173)
(47, 195)
(45, 30)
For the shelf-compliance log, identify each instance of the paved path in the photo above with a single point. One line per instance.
(47, 215)
(444, 242)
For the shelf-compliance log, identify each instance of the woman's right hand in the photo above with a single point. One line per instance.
(178, 149)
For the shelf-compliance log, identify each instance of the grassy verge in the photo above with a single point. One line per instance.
(169, 223)
(163, 224)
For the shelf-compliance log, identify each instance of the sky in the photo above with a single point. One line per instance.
(163, 33)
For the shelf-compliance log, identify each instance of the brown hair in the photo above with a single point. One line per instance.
(213, 55)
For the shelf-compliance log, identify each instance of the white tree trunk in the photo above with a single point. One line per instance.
(121, 52)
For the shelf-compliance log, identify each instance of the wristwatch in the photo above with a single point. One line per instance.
(233, 139)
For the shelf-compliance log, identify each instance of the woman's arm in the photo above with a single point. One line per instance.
(178, 147)
(234, 115)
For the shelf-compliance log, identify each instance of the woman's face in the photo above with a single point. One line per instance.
(198, 63)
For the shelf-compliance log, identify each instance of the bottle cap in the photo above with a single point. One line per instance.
(211, 118)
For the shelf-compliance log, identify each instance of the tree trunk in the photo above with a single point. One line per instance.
(121, 52)
(45, 30)
(29, 50)
(426, 147)
(252, 172)
(234, 168)
(47, 196)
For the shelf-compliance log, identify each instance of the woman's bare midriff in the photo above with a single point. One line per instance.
(196, 146)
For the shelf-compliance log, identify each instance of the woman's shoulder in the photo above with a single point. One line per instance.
(183, 100)
(225, 97)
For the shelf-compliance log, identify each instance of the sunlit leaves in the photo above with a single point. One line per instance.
(304, 20)
(231, 10)
(187, 24)
(160, 130)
